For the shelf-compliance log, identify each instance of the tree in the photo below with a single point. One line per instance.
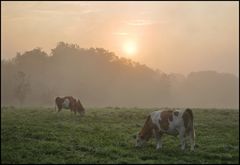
(23, 86)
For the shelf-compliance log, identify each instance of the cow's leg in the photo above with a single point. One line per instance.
(71, 110)
(159, 142)
(74, 110)
(182, 138)
(82, 113)
(59, 108)
(158, 136)
(192, 139)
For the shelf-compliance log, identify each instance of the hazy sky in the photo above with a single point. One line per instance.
(172, 36)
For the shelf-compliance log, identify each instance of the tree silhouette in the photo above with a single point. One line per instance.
(101, 78)
(23, 86)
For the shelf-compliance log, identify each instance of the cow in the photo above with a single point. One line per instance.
(68, 102)
(168, 121)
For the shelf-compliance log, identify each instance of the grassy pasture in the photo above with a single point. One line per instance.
(105, 135)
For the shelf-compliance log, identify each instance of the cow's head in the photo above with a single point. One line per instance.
(140, 140)
(81, 110)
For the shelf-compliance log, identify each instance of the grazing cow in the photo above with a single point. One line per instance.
(168, 121)
(68, 102)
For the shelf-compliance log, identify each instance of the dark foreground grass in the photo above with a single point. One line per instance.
(105, 135)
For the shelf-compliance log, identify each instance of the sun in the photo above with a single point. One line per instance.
(130, 48)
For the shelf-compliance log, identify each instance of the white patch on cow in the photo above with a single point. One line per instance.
(172, 130)
(158, 139)
(176, 123)
(156, 116)
(66, 103)
(180, 122)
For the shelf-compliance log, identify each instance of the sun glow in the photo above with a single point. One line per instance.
(130, 48)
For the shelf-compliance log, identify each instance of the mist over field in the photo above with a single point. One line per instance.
(98, 77)
(126, 54)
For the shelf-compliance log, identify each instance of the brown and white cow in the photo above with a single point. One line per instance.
(168, 121)
(68, 102)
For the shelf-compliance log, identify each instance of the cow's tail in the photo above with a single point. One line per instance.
(55, 105)
(189, 111)
(192, 131)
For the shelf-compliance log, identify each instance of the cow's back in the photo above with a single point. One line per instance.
(168, 120)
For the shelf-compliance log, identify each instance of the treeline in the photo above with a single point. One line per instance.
(100, 78)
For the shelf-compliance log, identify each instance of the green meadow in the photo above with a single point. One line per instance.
(105, 135)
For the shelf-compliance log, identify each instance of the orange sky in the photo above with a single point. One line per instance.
(172, 36)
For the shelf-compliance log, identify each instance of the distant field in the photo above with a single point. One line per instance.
(105, 135)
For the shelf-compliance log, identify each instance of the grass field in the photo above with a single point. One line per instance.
(105, 135)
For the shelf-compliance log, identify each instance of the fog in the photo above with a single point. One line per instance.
(100, 78)
(176, 37)
(126, 54)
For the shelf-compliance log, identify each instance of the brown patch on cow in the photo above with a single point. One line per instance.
(176, 113)
(188, 120)
(146, 131)
(165, 116)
